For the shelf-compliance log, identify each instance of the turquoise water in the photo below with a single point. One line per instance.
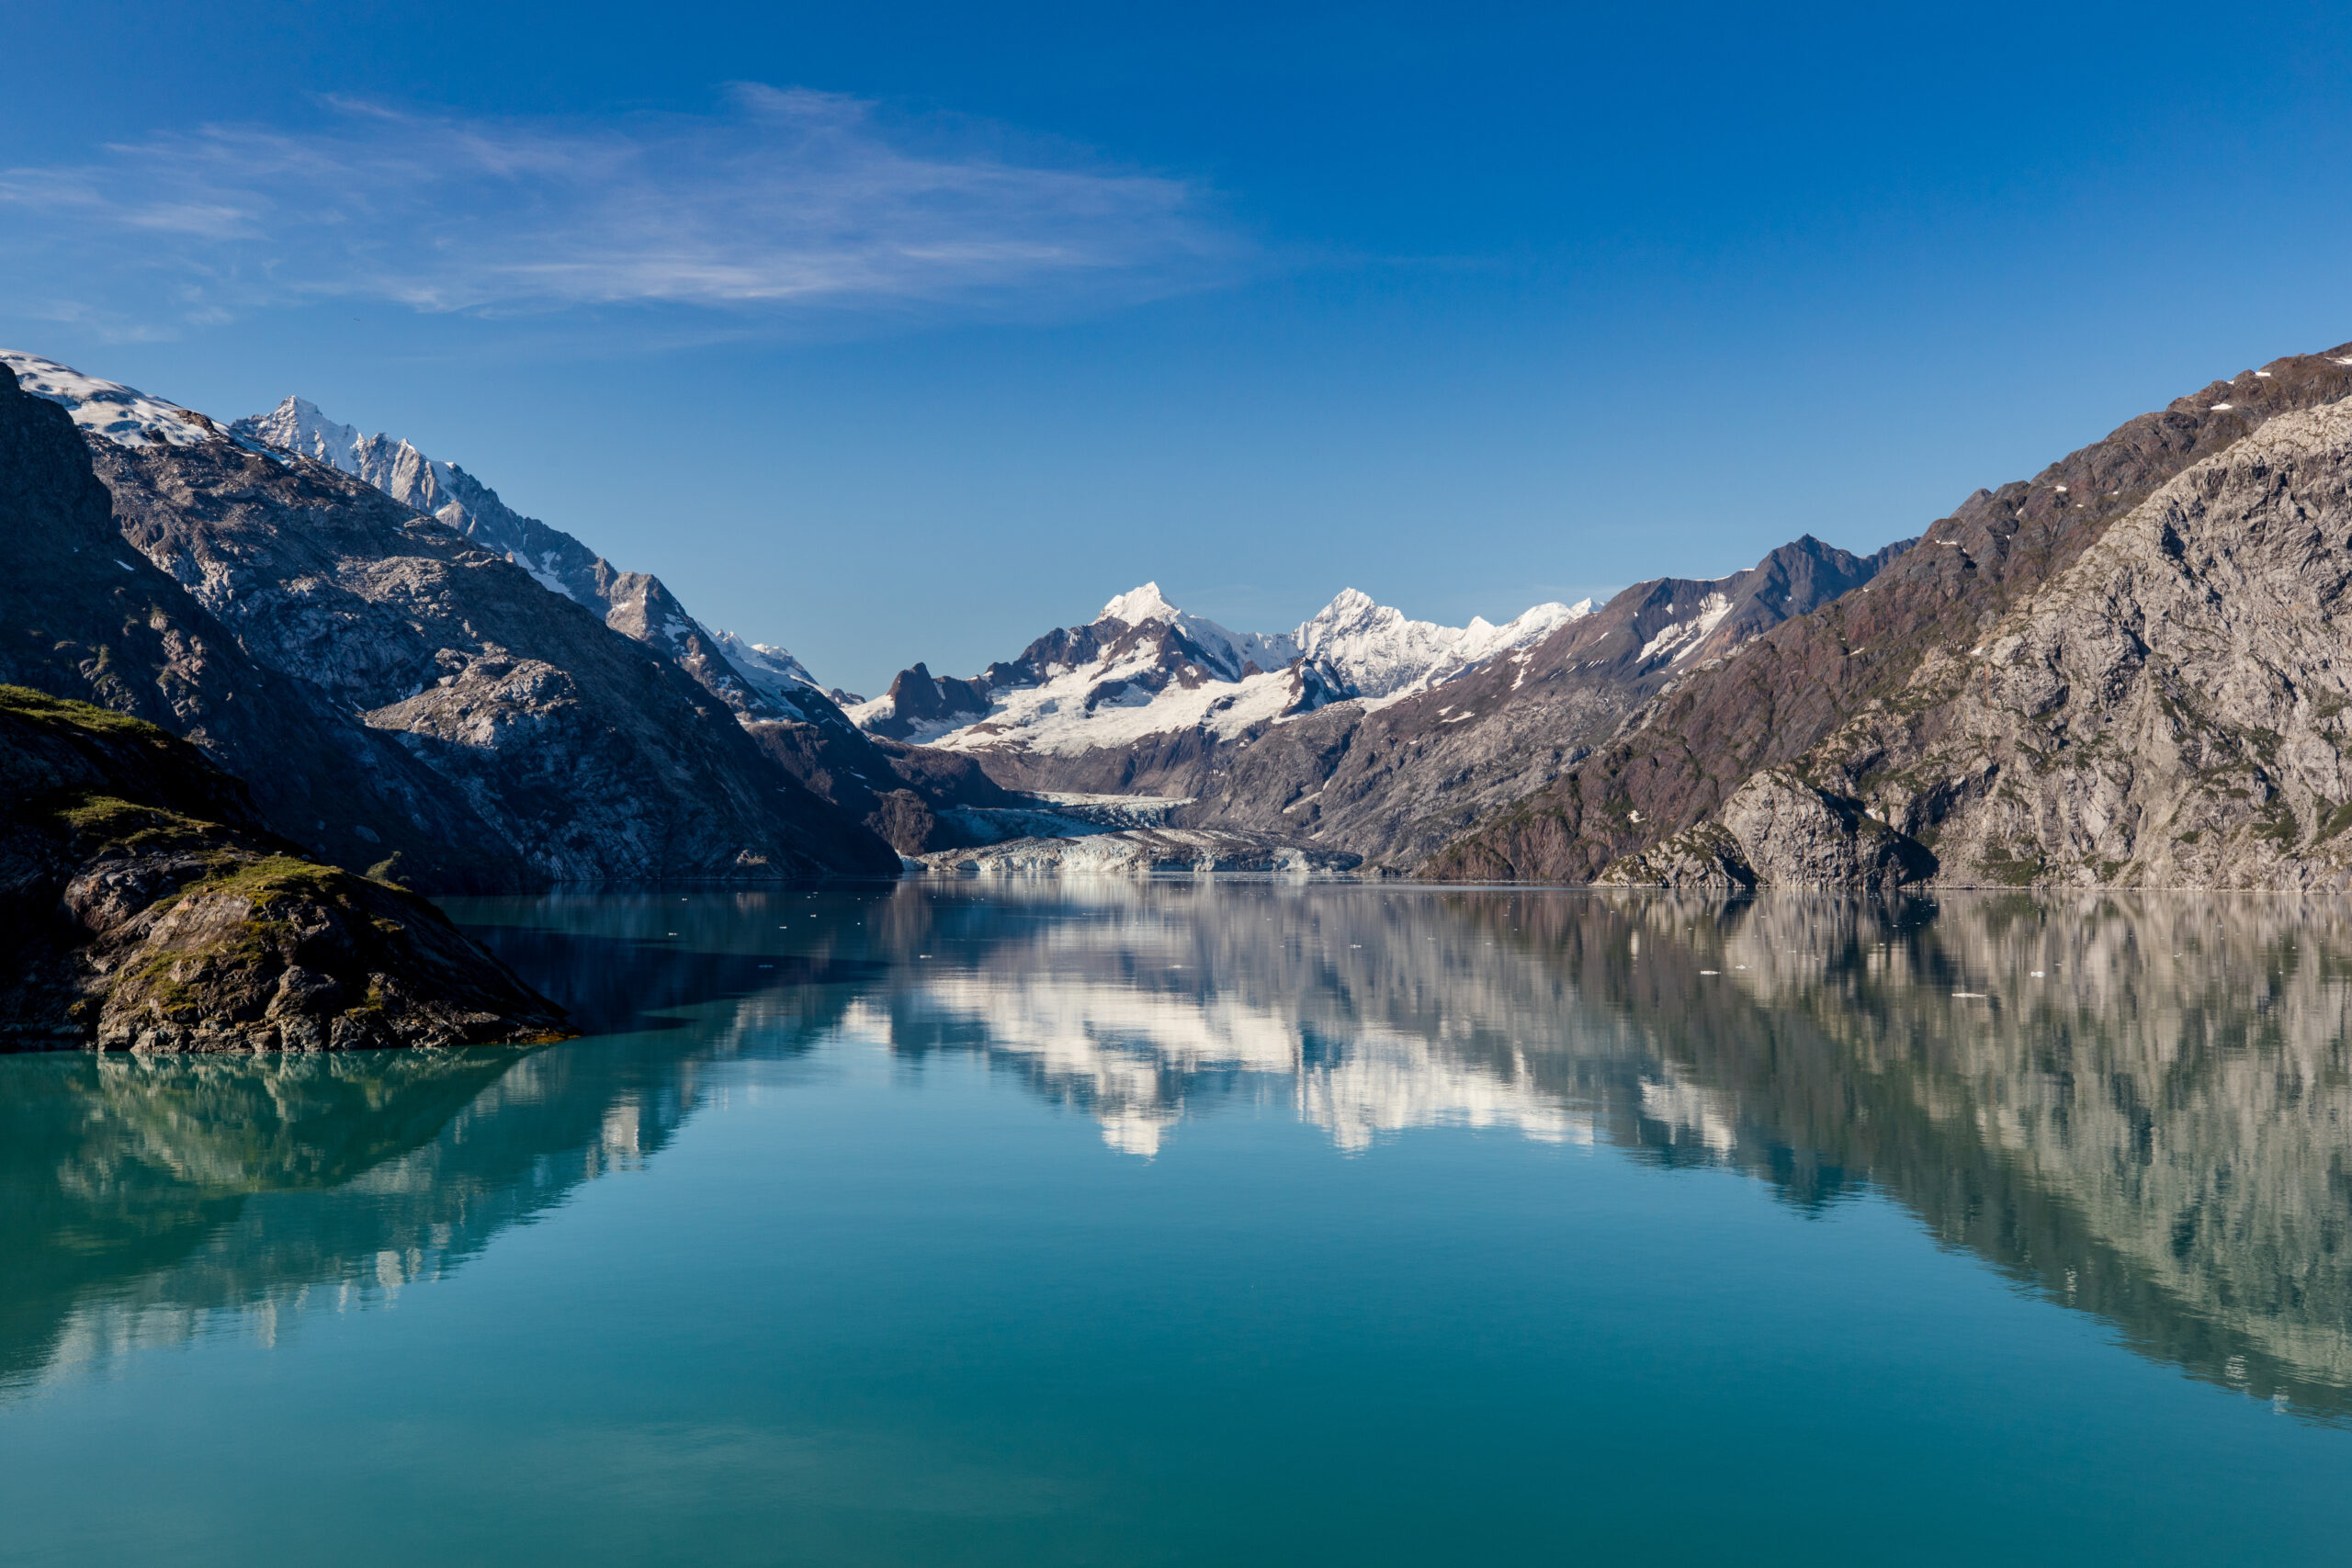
(1225, 1224)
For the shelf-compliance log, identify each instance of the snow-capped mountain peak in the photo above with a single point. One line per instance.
(297, 425)
(1380, 655)
(124, 415)
(1143, 666)
(393, 465)
(773, 671)
(1137, 606)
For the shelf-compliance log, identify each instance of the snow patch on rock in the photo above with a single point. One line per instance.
(1680, 639)
(124, 415)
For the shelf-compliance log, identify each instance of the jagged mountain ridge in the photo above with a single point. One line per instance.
(425, 698)
(1143, 668)
(756, 680)
(1772, 768)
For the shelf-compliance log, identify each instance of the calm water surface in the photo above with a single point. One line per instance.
(1224, 1225)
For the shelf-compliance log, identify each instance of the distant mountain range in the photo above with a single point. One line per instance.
(2124, 670)
(1143, 666)
(1361, 734)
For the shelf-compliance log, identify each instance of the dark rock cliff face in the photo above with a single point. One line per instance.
(897, 791)
(921, 699)
(84, 616)
(144, 907)
(578, 756)
(1682, 759)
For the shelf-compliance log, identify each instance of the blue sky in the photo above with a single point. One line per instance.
(905, 333)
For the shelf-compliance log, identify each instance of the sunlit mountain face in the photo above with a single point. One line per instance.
(2138, 1107)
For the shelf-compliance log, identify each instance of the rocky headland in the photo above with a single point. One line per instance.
(147, 908)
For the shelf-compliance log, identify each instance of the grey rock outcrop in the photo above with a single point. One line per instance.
(2171, 712)
(1778, 831)
(1675, 762)
(2168, 711)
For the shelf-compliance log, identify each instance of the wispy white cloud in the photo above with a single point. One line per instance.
(786, 200)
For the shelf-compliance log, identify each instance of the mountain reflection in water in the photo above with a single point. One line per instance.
(2136, 1105)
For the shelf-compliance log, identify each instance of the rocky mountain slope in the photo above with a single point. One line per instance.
(1394, 783)
(2169, 712)
(407, 692)
(2007, 718)
(758, 681)
(146, 909)
(83, 615)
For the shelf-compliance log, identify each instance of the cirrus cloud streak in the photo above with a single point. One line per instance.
(787, 201)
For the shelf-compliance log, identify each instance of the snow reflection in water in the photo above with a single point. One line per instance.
(2138, 1107)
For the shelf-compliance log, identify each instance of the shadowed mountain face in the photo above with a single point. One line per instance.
(1894, 663)
(84, 616)
(2133, 1107)
(394, 693)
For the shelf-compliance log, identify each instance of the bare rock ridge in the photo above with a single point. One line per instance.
(794, 722)
(754, 679)
(2126, 671)
(420, 697)
(146, 907)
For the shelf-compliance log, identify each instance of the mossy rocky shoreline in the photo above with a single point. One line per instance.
(143, 907)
